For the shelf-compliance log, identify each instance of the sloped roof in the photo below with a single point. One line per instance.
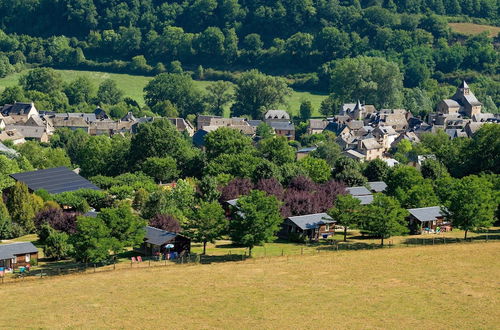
(463, 85)
(427, 213)
(451, 103)
(377, 186)
(472, 100)
(6, 150)
(8, 251)
(10, 134)
(277, 114)
(18, 108)
(365, 199)
(28, 131)
(157, 236)
(311, 221)
(317, 123)
(370, 144)
(54, 180)
(358, 191)
(283, 125)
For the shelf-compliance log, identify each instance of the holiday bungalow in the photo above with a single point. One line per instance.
(310, 226)
(17, 255)
(428, 220)
(159, 241)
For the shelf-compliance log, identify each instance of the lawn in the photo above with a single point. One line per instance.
(471, 28)
(133, 85)
(452, 286)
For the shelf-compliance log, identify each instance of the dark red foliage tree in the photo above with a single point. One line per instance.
(302, 183)
(57, 219)
(236, 188)
(297, 202)
(327, 193)
(165, 222)
(271, 186)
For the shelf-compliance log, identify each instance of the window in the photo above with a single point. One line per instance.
(27, 257)
(327, 227)
(14, 260)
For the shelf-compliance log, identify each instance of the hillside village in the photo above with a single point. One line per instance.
(352, 174)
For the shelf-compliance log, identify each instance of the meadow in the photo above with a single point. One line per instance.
(133, 85)
(472, 29)
(446, 287)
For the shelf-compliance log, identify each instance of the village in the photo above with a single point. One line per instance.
(152, 217)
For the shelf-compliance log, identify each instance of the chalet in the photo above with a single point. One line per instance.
(310, 226)
(17, 255)
(361, 193)
(19, 112)
(12, 135)
(158, 241)
(427, 219)
(303, 152)
(54, 180)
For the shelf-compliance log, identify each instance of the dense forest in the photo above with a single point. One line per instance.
(306, 41)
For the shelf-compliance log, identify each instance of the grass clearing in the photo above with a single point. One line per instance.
(472, 29)
(453, 286)
(133, 85)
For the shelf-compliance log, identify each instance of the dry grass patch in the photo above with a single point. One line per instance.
(453, 286)
(471, 28)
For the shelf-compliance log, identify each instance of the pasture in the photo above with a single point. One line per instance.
(132, 86)
(446, 287)
(472, 29)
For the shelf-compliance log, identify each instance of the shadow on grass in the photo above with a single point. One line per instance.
(208, 259)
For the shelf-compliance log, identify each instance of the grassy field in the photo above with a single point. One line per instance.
(133, 85)
(445, 287)
(471, 28)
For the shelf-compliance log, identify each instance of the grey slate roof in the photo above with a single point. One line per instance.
(54, 180)
(283, 125)
(8, 251)
(377, 186)
(358, 191)
(232, 202)
(157, 236)
(276, 114)
(18, 108)
(427, 213)
(311, 221)
(8, 151)
(307, 149)
(365, 199)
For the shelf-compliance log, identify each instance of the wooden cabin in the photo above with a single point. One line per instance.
(159, 241)
(17, 255)
(427, 220)
(310, 226)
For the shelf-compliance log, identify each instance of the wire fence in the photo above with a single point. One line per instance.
(50, 270)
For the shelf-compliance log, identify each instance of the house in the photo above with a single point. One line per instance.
(310, 226)
(20, 112)
(17, 255)
(159, 241)
(377, 186)
(471, 128)
(12, 135)
(361, 193)
(5, 120)
(283, 128)
(316, 126)
(182, 125)
(410, 136)
(427, 219)
(276, 115)
(71, 121)
(353, 154)
(100, 114)
(370, 148)
(301, 153)
(35, 133)
(395, 118)
(385, 135)
(54, 180)
(464, 102)
(199, 138)
(357, 111)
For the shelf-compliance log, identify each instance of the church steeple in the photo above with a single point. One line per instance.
(464, 88)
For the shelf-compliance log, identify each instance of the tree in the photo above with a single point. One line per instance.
(264, 131)
(57, 219)
(277, 150)
(92, 241)
(316, 168)
(384, 218)
(257, 221)
(306, 109)
(225, 140)
(12, 94)
(403, 177)
(236, 188)
(329, 151)
(57, 245)
(256, 92)
(108, 92)
(484, 150)
(346, 212)
(178, 89)
(376, 170)
(44, 80)
(165, 222)
(21, 207)
(208, 223)
(372, 79)
(208, 187)
(43, 157)
(5, 222)
(218, 96)
(348, 171)
(166, 109)
(433, 169)
(162, 169)
(79, 90)
(472, 204)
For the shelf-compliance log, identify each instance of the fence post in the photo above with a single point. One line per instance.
(41, 274)
(282, 252)
(114, 264)
(433, 241)
(149, 262)
(486, 237)
(95, 268)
